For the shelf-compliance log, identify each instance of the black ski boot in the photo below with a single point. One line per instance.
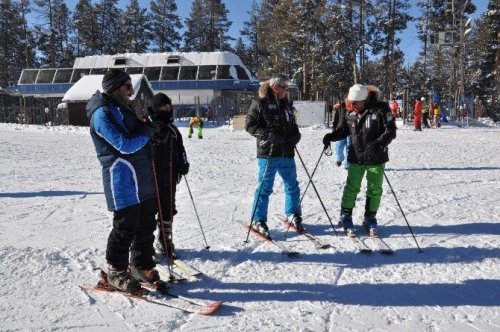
(296, 221)
(122, 280)
(149, 276)
(262, 228)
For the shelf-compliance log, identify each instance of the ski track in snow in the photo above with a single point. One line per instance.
(54, 226)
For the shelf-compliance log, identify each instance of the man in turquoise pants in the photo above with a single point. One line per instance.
(372, 128)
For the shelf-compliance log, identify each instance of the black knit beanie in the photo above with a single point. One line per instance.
(113, 79)
(160, 99)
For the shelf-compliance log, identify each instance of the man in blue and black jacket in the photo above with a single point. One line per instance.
(122, 143)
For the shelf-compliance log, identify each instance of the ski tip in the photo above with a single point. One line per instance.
(211, 308)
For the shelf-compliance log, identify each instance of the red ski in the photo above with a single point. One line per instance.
(156, 294)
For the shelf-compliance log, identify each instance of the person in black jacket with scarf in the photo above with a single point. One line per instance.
(271, 120)
(372, 127)
(171, 164)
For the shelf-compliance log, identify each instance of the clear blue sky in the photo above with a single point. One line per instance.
(238, 14)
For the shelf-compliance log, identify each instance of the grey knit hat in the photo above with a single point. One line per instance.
(113, 79)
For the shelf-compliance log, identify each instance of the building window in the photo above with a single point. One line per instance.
(120, 62)
(242, 74)
(224, 73)
(152, 73)
(79, 73)
(173, 59)
(169, 73)
(207, 72)
(28, 76)
(46, 76)
(134, 70)
(63, 75)
(188, 73)
(98, 71)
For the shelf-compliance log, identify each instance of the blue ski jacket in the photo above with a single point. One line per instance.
(121, 141)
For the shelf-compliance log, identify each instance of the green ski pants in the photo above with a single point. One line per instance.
(374, 179)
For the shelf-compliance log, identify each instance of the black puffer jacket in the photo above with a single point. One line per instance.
(371, 133)
(269, 119)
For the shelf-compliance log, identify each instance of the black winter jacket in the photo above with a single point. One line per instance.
(371, 133)
(170, 151)
(270, 120)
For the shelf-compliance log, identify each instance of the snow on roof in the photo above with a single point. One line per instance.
(89, 84)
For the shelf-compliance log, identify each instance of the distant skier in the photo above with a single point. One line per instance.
(271, 120)
(417, 114)
(437, 115)
(171, 164)
(195, 122)
(394, 108)
(372, 128)
(425, 115)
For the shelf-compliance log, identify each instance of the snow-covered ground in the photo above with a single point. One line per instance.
(54, 226)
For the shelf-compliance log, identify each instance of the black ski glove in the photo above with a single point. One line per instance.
(327, 139)
(183, 169)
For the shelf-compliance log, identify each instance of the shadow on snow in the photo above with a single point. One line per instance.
(49, 193)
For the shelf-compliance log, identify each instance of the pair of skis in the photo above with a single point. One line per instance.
(159, 294)
(284, 250)
(377, 244)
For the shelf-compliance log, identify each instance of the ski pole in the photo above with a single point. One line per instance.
(160, 215)
(254, 210)
(196, 211)
(312, 174)
(307, 187)
(402, 212)
(316, 190)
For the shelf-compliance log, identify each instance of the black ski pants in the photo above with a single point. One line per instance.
(133, 229)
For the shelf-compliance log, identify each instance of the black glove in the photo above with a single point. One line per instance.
(183, 169)
(274, 138)
(327, 139)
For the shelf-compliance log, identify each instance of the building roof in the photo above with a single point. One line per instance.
(89, 84)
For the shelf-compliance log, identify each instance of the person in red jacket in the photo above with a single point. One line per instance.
(394, 108)
(417, 114)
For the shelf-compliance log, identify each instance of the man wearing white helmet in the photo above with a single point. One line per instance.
(372, 128)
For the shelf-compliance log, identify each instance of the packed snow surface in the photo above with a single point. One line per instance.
(54, 226)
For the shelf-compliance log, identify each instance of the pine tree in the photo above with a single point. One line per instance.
(485, 59)
(53, 33)
(86, 29)
(207, 27)
(109, 22)
(251, 35)
(165, 25)
(441, 61)
(389, 18)
(16, 51)
(136, 33)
